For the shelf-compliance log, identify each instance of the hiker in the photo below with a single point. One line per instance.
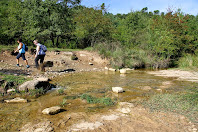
(21, 50)
(40, 53)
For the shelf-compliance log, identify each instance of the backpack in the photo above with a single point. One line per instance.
(44, 48)
(26, 48)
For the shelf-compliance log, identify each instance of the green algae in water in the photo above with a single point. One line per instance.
(93, 100)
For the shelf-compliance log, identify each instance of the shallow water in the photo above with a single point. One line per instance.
(138, 85)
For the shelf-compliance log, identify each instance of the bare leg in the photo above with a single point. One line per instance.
(26, 62)
(17, 61)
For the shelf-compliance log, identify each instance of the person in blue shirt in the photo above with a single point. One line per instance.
(21, 50)
(40, 54)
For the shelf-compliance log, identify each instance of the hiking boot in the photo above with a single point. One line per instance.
(17, 65)
(28, 66)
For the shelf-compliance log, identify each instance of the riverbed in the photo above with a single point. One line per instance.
(138, 85)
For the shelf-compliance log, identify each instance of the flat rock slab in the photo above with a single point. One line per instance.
(52, 110)
(110, 117)
(42, 79)
(16, 100)
(86, 125)
(45, 126)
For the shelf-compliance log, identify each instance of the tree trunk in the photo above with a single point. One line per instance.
(57, 41)
(52, 39)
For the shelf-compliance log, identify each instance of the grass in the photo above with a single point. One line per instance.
(121, 57)
(64, 102)
(13, 47)
(60, 49)
(8, 47)
(188, 61)
(36, 92)
(11, 79)
(184, 104)
(60, 91)
(15, 79)
(93, 100)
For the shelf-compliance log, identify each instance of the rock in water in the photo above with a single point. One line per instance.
(34, 84)
(16, 100)
(123, 71)
(52, 110)
(117, 89)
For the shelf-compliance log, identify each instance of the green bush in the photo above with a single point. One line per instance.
(121, 56)
(188, 61)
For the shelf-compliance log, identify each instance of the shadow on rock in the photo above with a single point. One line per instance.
(68, 70)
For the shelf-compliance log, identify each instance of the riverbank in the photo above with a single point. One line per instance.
(177, 74)
(58, 62)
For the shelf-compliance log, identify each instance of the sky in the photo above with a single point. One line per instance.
(126, 6)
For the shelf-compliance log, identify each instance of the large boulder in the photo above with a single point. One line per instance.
(35, 84)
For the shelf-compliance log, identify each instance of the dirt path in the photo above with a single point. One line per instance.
(62, 62)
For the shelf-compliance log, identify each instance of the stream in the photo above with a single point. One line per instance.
(137, 85)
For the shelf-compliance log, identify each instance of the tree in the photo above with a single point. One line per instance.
(91, 26)
(168, 35)
(132, 30)
(11, 24)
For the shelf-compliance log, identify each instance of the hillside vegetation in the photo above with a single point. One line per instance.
(139, 39)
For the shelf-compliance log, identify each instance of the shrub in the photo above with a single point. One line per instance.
(188, 61)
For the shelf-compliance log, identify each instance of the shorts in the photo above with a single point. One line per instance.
(21, 55)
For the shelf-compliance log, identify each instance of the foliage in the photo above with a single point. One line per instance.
(36, 92)
(132, 30)
(188, 61)
(91, 26)
(64, 102)
(12, 78)
(94, 100)
(60, 91)
(123, 38)
(7, 47)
